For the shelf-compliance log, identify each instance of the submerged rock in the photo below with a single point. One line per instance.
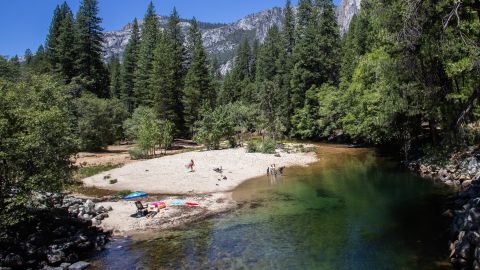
(79, 266)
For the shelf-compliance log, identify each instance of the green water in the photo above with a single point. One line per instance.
(351, 210)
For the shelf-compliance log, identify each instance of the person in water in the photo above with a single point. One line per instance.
(281, 170)
(268, 170)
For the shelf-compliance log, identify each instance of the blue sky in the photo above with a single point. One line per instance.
(25, 23)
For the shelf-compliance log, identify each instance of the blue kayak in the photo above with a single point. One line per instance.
(135, 195)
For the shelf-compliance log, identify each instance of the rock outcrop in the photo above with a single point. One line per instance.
(57, 235)
(219, 39)
(345, 13)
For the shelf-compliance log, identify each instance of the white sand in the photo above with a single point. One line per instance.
(168, 175)
(121, 222)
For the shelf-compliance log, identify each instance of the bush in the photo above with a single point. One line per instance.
(253, 147)
(113, 181)
(99, 121)
(269, 146)
(136, 153)
(36, 143)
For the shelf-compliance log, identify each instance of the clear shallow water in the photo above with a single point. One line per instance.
(350, 210)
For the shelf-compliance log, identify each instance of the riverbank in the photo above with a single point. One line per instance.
(461, 170)
(169, 175)
(208, 188)
(121, 223)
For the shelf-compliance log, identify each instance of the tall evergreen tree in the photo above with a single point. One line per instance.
(115, 69)
(65, 49)
(286, 63)
(198, 91)
(178, 66)
(89, 39)
(305, 71)
(130, 58)
(328, 43)
(52, 37)
(149, 37)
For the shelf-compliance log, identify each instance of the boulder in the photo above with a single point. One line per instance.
(55, 257)
(65, 266)
(466, 183)
(443, 175)
(79, 266)
(13, 260)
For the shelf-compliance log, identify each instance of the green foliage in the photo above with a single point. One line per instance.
(130, 58)
(198, 89)
(99, 121)
(36, 143)
(148, 131)
(88, 46)
(253, 146)
(137, 153)
(84, 172)
(269, 146)
(148, 40)
(213, 126)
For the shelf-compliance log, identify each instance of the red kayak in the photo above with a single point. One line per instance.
(191, 204)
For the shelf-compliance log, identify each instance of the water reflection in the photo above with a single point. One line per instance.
(350, 210)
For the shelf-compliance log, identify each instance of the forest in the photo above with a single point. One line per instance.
(406, 74)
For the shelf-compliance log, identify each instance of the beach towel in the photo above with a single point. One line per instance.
(177, 202)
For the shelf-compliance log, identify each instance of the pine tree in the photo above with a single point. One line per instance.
(149, 37)
(268, 58)
(40, 62)
(65, 49)
(130, 58)
(306, 70)
(304, 18)
(88, 43)
(52, 37)
(162, 80)
(198, 91)
(328, 43)
(286, 63)
(28, 56)
(178, 66)
(114, 68)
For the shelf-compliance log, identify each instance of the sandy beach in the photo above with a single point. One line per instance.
(121, 223)
(169, 175)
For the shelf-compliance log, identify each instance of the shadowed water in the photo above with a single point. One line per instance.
(350, 210)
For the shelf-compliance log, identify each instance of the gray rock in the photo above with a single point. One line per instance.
(65, 266)
(109, 208)
(79, 266)
(55, 257)
(13, 260)
(443, 175)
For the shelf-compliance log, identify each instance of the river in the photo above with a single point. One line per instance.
(349, 210)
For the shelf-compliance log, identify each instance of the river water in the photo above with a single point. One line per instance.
(350, 210)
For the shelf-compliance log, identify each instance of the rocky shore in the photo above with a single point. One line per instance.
(460, 170)
(58, 235)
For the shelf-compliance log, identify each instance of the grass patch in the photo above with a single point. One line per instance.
(85, 172)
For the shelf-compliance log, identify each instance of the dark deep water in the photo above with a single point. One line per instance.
(350, 210)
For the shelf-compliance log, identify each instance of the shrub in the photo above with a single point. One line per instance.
(253, 147)
(269, 146)
(136, 153)
(99, 121)
(113, 181)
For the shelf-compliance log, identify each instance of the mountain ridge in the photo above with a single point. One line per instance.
(222, 39)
